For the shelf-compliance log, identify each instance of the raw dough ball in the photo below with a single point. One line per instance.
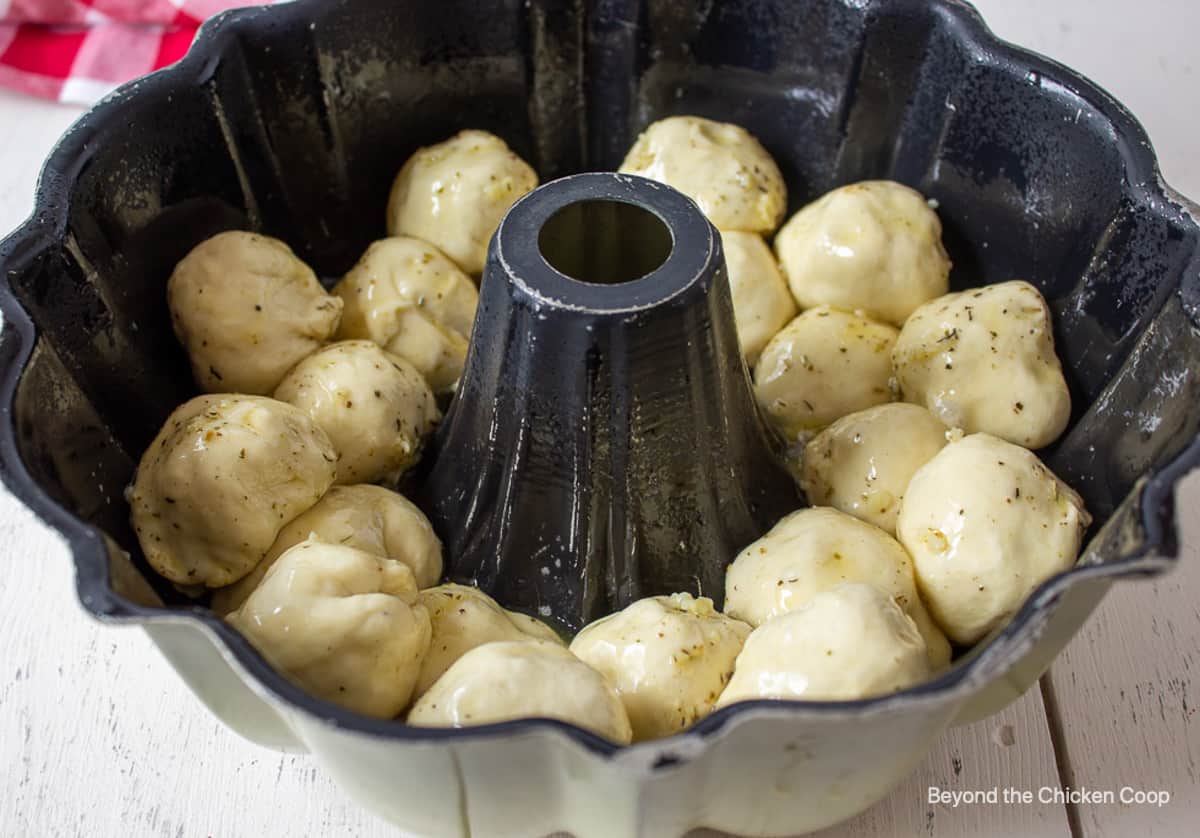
(669, 657)
(824, 364)
(221, 479)
(522, 679)
(875, 246)
(454, 194)
(850, 642)
(375, 407)
(861, 464)
(465, 617)
(246, 310)
(983, 360)
(405, 295)
(341, 623)
(817, 549)
(368, 518)
(762, 303)
(720, 166)
(986, 522)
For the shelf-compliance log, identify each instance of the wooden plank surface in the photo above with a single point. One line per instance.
(1128, 691)
(1011, 749)
(99, 737)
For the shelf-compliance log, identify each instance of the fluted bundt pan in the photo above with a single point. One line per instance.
(292, 120)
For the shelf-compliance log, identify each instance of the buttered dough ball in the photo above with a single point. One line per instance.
(874, 246)
(861, 464)
(522, 679)
(823, 365)
(454, 194)
(983, 360)
(847, 643)
(720, 166)
(368, 518)
(669, 658)
(221, 479)
(246, 309)
(342, 624)
(463, 618)
(405, 295)
(376, 408)
(986, 522)
(814, 550)
(762, 303)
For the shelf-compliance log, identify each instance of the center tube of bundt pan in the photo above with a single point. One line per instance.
(604, 444)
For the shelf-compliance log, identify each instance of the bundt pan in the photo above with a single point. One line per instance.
(293, 120)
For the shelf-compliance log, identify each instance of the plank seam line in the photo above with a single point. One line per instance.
(1062, 760)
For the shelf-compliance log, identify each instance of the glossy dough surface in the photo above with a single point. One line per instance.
(861, 464)
(823, 365)
(874, 246)
(368, 518)
(916, 535)
(984, 360)
(985, 523)
(720, 166)
(376, 408)
(463, 618)
(454, 194)
(852, 641)
(342, 624)
(221, 479)
(814, 550)
(669, 658)
(246, 309)
(522, 679)
(409, 298)
(762, 303)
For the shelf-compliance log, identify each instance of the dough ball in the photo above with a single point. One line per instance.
(246, 310)
(340, 623)
(221, 479)
(983, 360)
(720, 166)
(405, 295)
(669, 657)
(375, 407)
(465, 617)
(986, 522)
(522, 679)
(850, 642)
(861, 464)
(874, 246)
(454, 194)
(815, 550)
(368, 518)
(762, 303)
(823, 365)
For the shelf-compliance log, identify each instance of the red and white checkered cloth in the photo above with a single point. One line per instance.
(79, 50)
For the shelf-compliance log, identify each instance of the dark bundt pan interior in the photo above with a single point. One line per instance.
(293, 120)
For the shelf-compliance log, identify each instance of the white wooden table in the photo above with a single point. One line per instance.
(99, 737)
